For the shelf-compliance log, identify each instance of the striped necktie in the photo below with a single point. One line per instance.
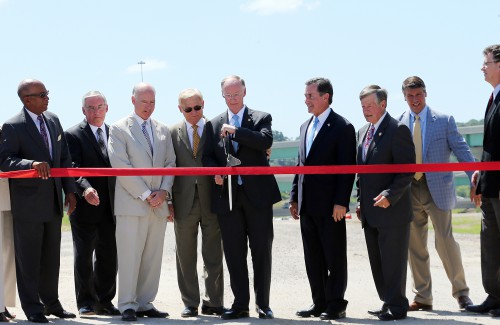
(144, 124)
(196, 140)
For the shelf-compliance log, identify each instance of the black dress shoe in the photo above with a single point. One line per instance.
(386, 316)
(8, 314)
(3, 318)
(189, 312)
(311, 311)
(129, 315)
(464, 301)
(264, 313)
(332, 315)
(235, 314)
(109, 310)
(38, 318)
(376, 312)
(483, 308)
(86, 311)
(61, 314)
(207, 310)
(494, 312)
(152, 313)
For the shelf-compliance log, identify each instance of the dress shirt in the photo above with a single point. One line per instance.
(321, 120)
(104, 134)
(34, 117)
(423, 123)
(189, 128)
(240, 115)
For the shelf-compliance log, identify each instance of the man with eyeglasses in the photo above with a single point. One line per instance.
(245, 134)
(488, 189)
(34, 139)
(92, 222)
(191, 197)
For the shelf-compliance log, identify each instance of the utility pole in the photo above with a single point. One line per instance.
(141, 63)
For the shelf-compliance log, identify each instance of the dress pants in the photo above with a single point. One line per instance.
(37, 250)
(139, 243)
(388, 254)
(95, 265)
(186, 240)
(325, 254)
(490, 248)
(9, 261)
(246, 225)
(446, 246)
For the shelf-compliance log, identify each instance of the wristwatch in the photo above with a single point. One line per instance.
(169, 196)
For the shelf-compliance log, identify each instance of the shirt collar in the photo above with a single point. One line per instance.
(496, 91)
(140, 120)
(240, 114)
(422, 114)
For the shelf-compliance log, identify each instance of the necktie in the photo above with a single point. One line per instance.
(196, 140)
(43, 132)
(147, 136)
(236, 122)
(417, 141)
(100, 141)
(310, 135)
(490, 101)
(368, 140)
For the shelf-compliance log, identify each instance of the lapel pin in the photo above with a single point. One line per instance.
(380, 134)
(328, 124)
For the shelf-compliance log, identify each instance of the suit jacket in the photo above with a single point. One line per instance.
(254, 137)
(21, 145)
(391, 144)
(86, 152)
(441, 139)
(184, 186)
(489, 181)
(4, 191)
(128, 148)
(335, 144)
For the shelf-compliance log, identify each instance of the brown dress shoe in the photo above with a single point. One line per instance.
(464, 301)
(416, 306)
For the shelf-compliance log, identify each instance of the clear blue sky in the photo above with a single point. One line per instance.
(275, 45)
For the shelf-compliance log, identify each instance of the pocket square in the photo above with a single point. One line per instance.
(59, 138)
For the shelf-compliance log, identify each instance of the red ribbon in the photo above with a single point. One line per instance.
(191, 171)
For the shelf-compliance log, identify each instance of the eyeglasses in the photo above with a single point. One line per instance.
(99, 108)
(189, 109)
(485, 64)
(229, 96)
(43, 94)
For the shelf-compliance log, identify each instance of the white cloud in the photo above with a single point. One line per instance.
(269, 7)
(149, 65)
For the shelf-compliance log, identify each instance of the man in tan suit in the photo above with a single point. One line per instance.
(7, 262)
(192, 209)
(141, 204)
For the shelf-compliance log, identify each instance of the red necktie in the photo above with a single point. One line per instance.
(489, 103)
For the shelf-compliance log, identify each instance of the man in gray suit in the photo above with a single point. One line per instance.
(142, 204)
(435, 137)
(384, 201)
(34, 139)
(192, 210)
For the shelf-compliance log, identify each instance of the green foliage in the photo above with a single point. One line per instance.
(471, 123)
(279, 136)
(462, 190)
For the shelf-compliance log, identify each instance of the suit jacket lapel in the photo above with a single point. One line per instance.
(90, 135)
(184, 137)
(136, 131)
(325, 128)
(492, 111)
(379, 133)
(429, 131)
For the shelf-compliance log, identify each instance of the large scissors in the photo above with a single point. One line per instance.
(231, 161)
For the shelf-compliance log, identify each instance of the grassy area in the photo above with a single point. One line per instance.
(65, 223)
(465, 223)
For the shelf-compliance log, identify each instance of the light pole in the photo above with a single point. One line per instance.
(141, 63)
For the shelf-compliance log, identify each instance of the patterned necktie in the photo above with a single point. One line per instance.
(43, 132)
(368, 140)
(196, 140)
(144, 124)
(417, 141)
(310, 135)
(100, 141)
(236, 122)
(490, 101)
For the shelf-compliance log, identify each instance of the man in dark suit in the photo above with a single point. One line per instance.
(321, 201)
(92, 222)
(488, 189)
(191, 197)
(385, 202)
(245, 134)
(34, 139)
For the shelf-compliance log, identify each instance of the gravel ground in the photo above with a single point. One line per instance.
(290, 289)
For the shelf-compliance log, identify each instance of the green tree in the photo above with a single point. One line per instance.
(279, 136)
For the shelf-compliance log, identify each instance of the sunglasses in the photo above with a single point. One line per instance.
(43, 94)
(189, 109)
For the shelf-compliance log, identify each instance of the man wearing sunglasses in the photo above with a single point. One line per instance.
(245, 134)
(34, 139)
(191, 197)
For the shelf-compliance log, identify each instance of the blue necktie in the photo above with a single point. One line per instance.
(236, 122)
(310, 135)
